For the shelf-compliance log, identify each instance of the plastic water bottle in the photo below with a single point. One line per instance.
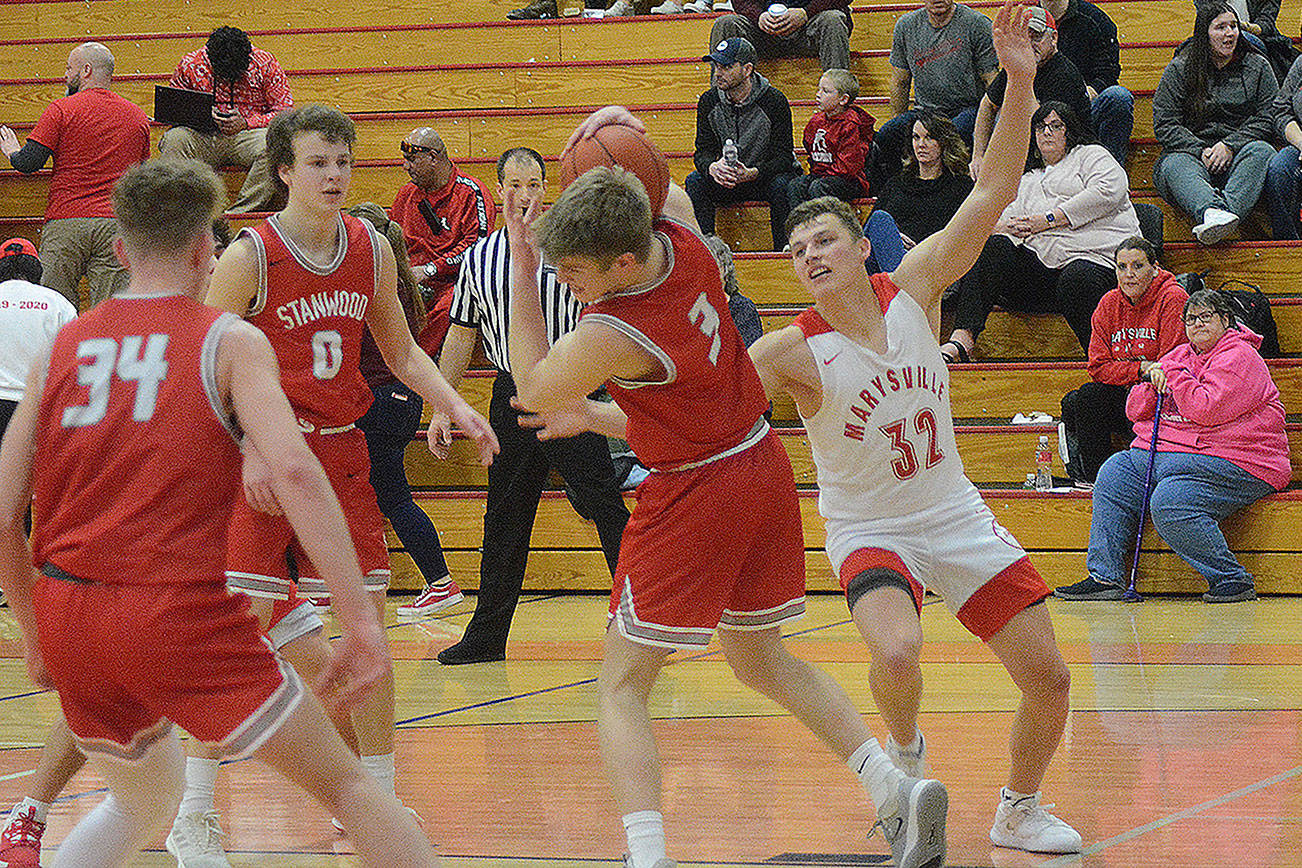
(730, 157)
(1043, 464)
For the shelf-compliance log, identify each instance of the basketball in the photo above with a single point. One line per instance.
(618, 145)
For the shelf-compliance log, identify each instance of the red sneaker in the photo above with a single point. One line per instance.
(432, 599)
(20, 841)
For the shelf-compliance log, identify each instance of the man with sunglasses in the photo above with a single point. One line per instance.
(442, 212)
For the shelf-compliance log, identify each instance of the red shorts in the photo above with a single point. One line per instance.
(718, 546)
(260, 546)
(131, 660)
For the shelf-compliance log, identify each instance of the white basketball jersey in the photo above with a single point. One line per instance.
(883, 440)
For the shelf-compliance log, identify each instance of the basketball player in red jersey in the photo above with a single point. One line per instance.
(868, 380)
(715, 540)
(127, 440)
(310, 278)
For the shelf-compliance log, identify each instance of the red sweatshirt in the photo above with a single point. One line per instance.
(839, 145)
(1122, 332)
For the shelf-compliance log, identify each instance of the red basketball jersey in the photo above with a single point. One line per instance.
(136, 464)
(314, 316)
(710, 398)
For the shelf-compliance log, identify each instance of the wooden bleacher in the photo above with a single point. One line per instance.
(485, 83)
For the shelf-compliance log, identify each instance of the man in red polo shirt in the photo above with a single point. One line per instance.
(94, 135)
(442, 212)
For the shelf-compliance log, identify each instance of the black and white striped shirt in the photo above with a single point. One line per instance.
(482, 298)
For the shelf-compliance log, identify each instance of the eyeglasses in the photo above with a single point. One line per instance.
(1203, 318)
(1051, 126)
(409, 149)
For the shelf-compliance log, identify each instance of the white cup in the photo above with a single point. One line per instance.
(777, 10)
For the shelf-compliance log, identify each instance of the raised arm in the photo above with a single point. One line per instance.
(942, 258)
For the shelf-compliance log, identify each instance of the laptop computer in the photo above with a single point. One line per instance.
(184, 108)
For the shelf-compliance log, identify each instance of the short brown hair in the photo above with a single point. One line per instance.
(604, 214)
(162, 204)
(815, 208)
(333, 125)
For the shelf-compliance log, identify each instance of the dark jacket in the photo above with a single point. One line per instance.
(1089, 39)
(761, 127)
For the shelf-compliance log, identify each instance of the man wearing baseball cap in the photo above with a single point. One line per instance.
(791, 28)
(30, 316)
(744, 109)
(1056, 78)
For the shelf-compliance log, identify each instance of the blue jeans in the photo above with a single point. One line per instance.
(887, 246)
(389, 427)
(1191, 495)
(1113, 114)
(1283, 177)
(1184, 181)
(707, 194)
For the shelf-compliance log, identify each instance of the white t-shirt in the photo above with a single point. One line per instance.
(30, 317)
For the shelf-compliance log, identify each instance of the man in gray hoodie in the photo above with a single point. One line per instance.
(741, 107)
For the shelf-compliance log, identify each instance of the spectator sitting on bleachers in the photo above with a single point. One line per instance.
(1088, 38)
(744, 313)
(1212, 116)
(1056, 79)
(819, 28)
(945, 51)
(248, 88)
(93, 136)
(1056, 237)
(744, 107)
(837, 139)
(922, 197)
(1284, 174)
(1221, 445)
(442, 212)
(1134, 325)
(1258, 27)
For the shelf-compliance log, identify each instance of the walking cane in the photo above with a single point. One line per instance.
(1131, 595)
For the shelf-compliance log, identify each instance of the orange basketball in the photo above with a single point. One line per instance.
(618, 145)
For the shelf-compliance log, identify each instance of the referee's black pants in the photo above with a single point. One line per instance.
(515, 485)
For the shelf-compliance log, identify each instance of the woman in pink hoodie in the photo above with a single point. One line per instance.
(1221, 446)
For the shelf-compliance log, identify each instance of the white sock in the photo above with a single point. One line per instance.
(876, 772)
(105, 836)
(200, 782)
(42, 808)
(914, 747)
(646, 838)
(381, 768)
(1007, 795)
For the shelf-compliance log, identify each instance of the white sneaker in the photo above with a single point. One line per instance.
(700, 7)
(913, 764)
(620, 9)
(196, 841)
(1218, 224)
(914, 824)
(664, 862)
(722, 5)
(669, 7)
(1025, 824)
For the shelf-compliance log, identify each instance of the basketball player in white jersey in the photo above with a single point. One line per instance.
(865, 370)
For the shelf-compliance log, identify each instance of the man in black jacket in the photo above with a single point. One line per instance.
(1087, 36)
(741, 107)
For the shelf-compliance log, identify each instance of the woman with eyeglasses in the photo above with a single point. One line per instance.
(1221, 445)
(1051, 250)
(1133, 326)
(1212, 116)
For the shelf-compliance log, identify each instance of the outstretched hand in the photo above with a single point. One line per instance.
(476, 427)
(554, 424)
(602, 117)
(1012, 38)
(357, 663)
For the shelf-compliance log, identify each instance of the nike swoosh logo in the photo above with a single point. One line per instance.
(829, 361)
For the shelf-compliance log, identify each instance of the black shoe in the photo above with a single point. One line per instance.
(535, 10)
(1090, 589)
(1231, 592)
(458, 654)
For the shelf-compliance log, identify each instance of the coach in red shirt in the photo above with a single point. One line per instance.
(442, 212)
(248, 87)
(94, 135)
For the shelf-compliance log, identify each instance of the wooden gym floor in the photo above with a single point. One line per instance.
(1183, 746)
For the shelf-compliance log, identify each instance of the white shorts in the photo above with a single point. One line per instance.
(955, 549)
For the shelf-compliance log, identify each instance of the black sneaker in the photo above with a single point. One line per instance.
(1231, 592)
(535, 10)
(1090, 589)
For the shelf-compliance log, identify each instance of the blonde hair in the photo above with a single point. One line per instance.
(844, 81)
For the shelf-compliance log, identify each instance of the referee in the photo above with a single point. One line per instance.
(481, 302)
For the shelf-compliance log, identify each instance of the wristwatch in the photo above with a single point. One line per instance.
(1049, 218)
